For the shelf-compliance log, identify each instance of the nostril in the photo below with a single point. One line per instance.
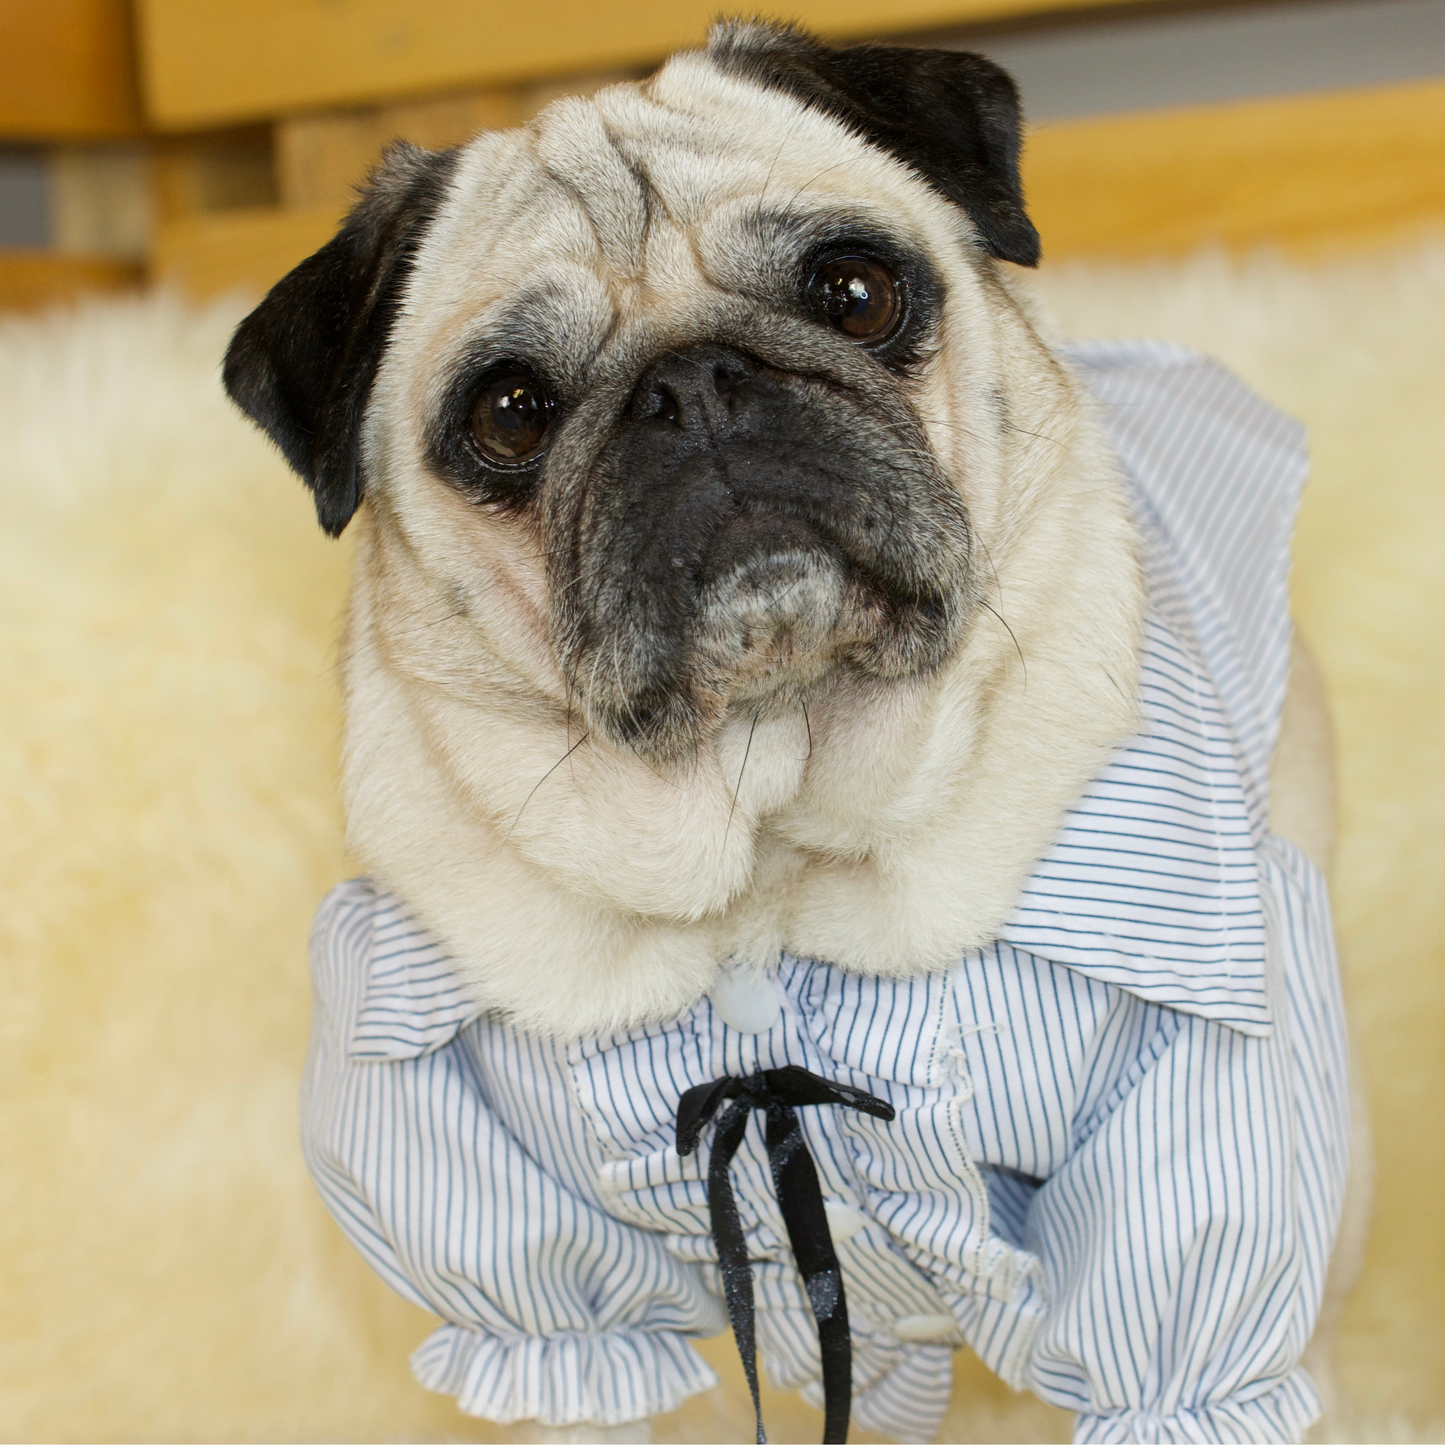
(657, 403)
(728, 376)
(691, 390)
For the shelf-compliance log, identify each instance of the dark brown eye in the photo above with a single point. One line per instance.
(511, 415)
(857, 296)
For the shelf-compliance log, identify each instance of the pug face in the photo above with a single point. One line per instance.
(659, 348)
(733, 492)
(697, 425)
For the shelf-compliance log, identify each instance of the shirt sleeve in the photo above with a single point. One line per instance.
(1220, 472)
(1185, 1239)
(554, 1311)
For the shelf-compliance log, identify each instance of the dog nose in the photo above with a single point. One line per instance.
(699, 390)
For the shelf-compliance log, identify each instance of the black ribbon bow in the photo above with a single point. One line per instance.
(800, 1199)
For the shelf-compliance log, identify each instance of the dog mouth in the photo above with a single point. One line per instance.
(774, 607)
(786, 603)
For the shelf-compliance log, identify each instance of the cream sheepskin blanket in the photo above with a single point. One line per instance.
(168, 738)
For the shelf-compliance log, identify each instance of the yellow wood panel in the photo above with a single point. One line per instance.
(207, 61)
(66, 70)
(322, 156)
(1308, 173)
(30, 279)
(247, 248)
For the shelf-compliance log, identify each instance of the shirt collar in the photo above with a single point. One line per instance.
(1151, 884)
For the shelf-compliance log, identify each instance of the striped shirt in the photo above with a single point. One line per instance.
(1120, 1142)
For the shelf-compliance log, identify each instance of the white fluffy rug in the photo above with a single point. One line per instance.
(168, 731)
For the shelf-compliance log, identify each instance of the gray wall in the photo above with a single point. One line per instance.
(24, 213)
(1077, 66)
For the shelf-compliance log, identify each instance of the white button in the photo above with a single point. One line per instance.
(747, 1002)
(926, 1329)
(843, 1220)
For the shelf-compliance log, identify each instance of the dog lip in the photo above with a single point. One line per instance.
(768, 539)
(754, 534)
(784, 591)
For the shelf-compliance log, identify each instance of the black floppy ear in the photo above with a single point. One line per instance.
(302, 363)
(953, 116)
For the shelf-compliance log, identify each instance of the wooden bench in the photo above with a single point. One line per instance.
(256, 118)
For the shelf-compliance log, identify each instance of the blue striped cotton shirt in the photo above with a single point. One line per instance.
(1120, 1146)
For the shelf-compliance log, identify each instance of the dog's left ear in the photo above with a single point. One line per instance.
(302, 363)
(952, 115)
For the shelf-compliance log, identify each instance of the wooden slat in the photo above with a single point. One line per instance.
(247, 249)
(66, 70)
(1310, 174)
(31, 279)
(1307, 173)
(322, 156)
(99, 200)
(214, 171)
(209, 61)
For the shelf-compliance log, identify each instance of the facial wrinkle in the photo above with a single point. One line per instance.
(581, 156)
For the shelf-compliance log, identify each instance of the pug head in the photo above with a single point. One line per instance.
(669, 348)
(707, 449)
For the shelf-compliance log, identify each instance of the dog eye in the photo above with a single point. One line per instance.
(857, 296)
(511, 416)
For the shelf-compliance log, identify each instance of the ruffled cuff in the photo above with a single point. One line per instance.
(563, 1379)
(1282, 1413)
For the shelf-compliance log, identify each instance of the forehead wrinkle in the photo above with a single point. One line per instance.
(583, 158)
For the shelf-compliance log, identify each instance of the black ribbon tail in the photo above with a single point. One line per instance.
(732, 1247)
(800, 1198)
(695, 1110)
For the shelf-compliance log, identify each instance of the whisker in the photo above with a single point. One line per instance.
(1010, 632)
(1024, 431)
(1112, 683)
(746, 751)
(542, 780)
(811, 179)
(776, 158)
(997, 585)
(661, 777)
(570, 748)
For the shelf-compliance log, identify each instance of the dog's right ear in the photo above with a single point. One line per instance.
(301, 365)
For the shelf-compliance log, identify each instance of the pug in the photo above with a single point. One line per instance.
(750, 600)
